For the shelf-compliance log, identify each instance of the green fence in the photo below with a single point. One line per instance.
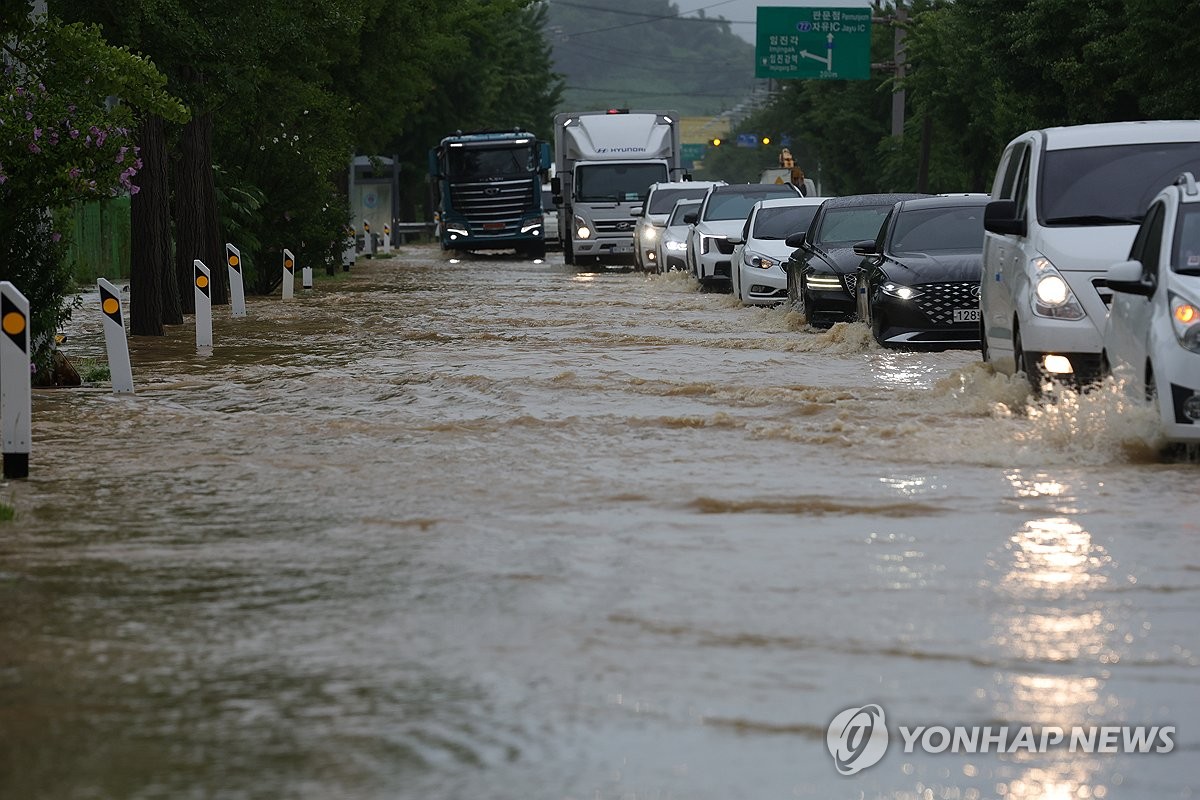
(99, 240)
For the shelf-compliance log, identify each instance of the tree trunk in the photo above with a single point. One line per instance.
(196, 219)
(149, 215)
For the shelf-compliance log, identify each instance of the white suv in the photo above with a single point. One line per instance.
(1153, 334)
(1064, 201)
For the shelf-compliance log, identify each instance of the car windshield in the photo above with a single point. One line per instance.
(1186, 256)
(938, 230)
(485, 162)
(681, 210)
(1110, 185)
(734, 205)
(616, 183)
(780, 223)
(849, 225)
(663, 200)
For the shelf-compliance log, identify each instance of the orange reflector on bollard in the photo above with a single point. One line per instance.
(14, 323)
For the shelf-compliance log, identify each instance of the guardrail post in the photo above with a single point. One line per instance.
(16, 381)
(115, 341)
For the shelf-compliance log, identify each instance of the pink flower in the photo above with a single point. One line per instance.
(75, 172)
(28, 115)
(134, 189)
(56, 237)
(37, 134)
(74, 133)
(33, 148)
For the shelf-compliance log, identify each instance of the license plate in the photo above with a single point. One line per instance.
(493, 226)
(967, 315)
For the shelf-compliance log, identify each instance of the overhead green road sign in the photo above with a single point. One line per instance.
(830, 43)
(693, 152)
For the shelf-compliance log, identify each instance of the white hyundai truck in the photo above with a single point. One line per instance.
(605, 163)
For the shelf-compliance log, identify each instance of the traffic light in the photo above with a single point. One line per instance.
(716, 142)
(766, 140)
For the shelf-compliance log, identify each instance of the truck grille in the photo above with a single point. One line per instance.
(941, 299)
(494, 208)
(616, 227)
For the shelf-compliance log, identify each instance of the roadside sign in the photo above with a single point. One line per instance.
(747, 140)
(693, 152)
(813, 43)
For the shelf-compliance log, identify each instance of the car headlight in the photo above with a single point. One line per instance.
(532, 225)
(675, 246)
(900, 291)
(459, 230)
(649, 235)
(1185, 319)
(582, 229)
(1052, 295)
(753, 259)
(824, 283)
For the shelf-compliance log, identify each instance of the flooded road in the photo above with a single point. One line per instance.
(505, 530)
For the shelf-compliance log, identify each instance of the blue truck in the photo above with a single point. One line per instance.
(488, 191)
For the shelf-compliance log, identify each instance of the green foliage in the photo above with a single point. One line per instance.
(92, 371)
(32, 259)
(7, 512)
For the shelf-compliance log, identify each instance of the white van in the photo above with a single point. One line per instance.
(1066, 203)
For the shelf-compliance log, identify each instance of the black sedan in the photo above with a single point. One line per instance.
(822, 270)
(918, 282)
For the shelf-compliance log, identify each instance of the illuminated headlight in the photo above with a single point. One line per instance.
(582, 230)
(900, 291)
(649, 234)
(753, 259)
(1185, 319)
(456, 230)
(824, 283)
(532, 226)
(1057, 365)
(674, 246)
(1052, 296)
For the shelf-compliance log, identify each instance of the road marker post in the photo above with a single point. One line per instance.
(115, 341)
(16, 381)
(306, 276)
(387, 239)
(237, 289)
(202, 279)
(368, 240)
(289, 274)
(350, 251)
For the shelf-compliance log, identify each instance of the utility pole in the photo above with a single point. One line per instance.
(898, 20)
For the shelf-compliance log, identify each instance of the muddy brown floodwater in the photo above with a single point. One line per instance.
(511, 530)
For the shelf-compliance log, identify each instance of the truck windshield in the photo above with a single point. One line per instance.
(616, 183)
(487, 162)
(1110, 185)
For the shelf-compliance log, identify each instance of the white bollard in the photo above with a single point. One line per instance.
(237, 291)
(289, 274)
(368, 240)
(16, 382)
(306, 277)
(115, 341)
(202, 279)
(350, 251)
(387, 239)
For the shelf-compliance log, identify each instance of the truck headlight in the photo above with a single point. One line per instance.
(531, 226)
(1052, 295)
(459, 230)
(1185, 319)
(582, 229)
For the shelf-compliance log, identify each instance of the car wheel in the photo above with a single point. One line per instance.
(1151, 386)
(878, 326)
(1023, 367)
(983, 341)
(568, 253)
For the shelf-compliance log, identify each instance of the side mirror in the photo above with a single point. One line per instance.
(637, 211)
(865, 248)
(690, 218)
(1000, 216)
(735, 239)
(795, 240)
(1126, 276)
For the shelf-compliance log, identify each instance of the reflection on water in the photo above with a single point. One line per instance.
(501, 529)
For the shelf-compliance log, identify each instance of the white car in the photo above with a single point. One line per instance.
(652, 217)
(672, 245)
(721, 215)
(1152, 338)
(1065, 200)
(760, 251)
